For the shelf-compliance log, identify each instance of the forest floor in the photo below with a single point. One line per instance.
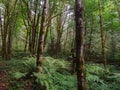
(3, 76)
(7, 70)
(15, 65)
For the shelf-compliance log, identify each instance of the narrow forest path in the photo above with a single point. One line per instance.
(3, 76)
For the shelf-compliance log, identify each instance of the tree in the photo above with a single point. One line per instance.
(102, 35)
(80, 67)
(31, 15)
(41, 37)
(7, 27)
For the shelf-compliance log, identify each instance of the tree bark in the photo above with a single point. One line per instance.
(7, 28)
(1, 29)
(113, 45)
(10, 31)
(32, 23)
(80, 63)
(102, 35)
(48, 26)
(26, 42)
(41, 37)
(34, 27)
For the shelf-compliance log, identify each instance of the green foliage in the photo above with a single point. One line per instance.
(94, 73)
(56, 81)
(99, 79)
(20, 54)
(56, 75)
(16, 85)
(18, 75)
(30, 65)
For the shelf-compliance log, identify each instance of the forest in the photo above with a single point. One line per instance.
(59, 45)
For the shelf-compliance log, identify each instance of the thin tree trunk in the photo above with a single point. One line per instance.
(41, 37)
(29, 46)
(26, 42)
(52, 43)
(59, 34)
(36, 36)
(9, 43)
(27, 34)
(47, 29)
(80, 63)
(113, 45)
(85, 46)
(34, 28)
(10, 31)
(32, 23)
(102, 35)
(90, 40)
(1, 29)
(90, 37)
(5, 31)
(65, 42)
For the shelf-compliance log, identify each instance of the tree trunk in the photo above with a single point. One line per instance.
(47, 29)
(34, 28)
(5, 30)
(26, 42)
(32, 23)
(41, 37)
(80, 64)
(52, 43)
(102, 35)
(89, 48)
(1, 29)
(113, 45)
(10, 31)
(65, 42)
(59, 34)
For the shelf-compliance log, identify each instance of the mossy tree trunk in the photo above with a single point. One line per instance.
(102, 35)
(31, 22)
(80, 64)
(41, 37)
(8, 25)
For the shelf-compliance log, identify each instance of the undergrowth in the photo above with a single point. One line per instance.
(100, 79)
(56, 75)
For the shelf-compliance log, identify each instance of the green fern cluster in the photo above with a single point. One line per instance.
(99, 79)
(55, 75)
(56, 81)
(29, 65)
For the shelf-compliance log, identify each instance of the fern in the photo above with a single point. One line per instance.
(18, 75)
(54, 80)
(56, 76)
(30, 65)
(99, 79)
